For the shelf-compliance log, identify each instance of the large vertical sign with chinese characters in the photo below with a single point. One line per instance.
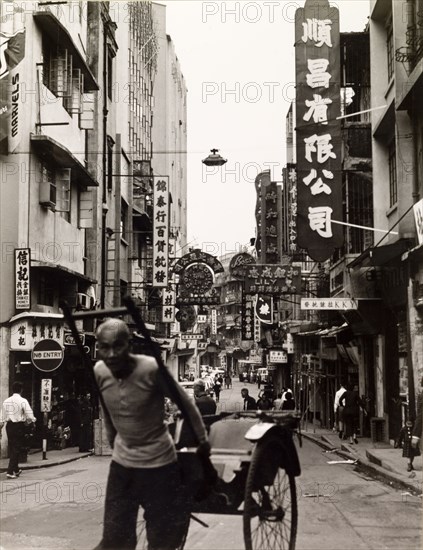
(319, 183)
(22, 278)
(161, 231)
(270, 250)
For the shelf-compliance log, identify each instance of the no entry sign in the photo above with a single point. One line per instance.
(47, 355)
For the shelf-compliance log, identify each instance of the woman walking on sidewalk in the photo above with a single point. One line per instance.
(351, 403)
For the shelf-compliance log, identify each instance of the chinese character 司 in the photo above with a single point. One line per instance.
(321, 146)
(318, 186)
(317, 30)
(320, 220)
(318, 77)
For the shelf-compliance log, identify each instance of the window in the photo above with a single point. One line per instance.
(46, 291)
(392, 163)
(123, 290)
(61, 78)
(109, 76)
(55, 189)
(123, 219)
(390, 49)
(110, 144)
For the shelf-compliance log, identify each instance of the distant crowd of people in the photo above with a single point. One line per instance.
(265, 402)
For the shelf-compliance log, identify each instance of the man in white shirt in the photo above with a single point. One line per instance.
(15, 413)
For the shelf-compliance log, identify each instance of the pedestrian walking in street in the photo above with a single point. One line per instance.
(289, 403)
(339, 425)
(144, 470)
(264, 403)
(206, 404)
(16, 413)
(404, 441)
(417, 433)
(86, 428)
(351, 403)
(277, 403)
(228, 381)
(249, 402)
(217, 389)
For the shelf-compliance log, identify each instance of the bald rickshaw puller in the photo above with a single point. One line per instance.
(144, 469)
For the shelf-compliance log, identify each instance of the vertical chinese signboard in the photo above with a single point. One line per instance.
(161, 231)
(319, 183)
(292, 208)
(247, 318)
(46, 395)
(22, 278)
(270, 249)
(168, 305)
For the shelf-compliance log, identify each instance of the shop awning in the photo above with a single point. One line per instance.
(381, 255)
(60, 269)
(183, 352)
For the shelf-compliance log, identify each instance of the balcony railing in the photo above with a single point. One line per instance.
(412, 53)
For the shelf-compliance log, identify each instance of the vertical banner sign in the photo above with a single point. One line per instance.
(319, 193)
(46, 395)
(213, 321)
(12, 52)
(292, 208)
(161, 231)
(168, 305)
(270, 215)
(247, 317)
(22, 278)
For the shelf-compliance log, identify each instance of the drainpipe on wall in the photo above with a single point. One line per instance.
(104, 168)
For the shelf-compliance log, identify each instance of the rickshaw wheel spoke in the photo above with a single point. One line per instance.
(270, 506)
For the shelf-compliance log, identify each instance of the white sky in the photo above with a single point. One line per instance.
(251, 52)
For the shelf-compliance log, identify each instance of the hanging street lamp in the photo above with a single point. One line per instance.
(214, 159)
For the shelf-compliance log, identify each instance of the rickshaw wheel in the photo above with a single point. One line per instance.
(142, 543)
(270, 503)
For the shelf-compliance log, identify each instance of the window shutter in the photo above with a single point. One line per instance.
(86, 117)
(59, 71)
(73, 103)
(63, 181)
(86, 209)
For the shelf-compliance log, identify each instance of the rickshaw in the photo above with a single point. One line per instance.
(252, 468)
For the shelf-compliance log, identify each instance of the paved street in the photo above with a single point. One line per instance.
(339, 507)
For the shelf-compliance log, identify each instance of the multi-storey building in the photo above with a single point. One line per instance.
(76, 198)
(394, 261)
(48, 190)
(329, 346)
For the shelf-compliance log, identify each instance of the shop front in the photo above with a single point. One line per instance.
(41, 350)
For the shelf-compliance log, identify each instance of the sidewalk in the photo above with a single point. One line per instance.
(381, 459)
(53, 458)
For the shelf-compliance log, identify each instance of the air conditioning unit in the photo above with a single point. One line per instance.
(83, 301)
